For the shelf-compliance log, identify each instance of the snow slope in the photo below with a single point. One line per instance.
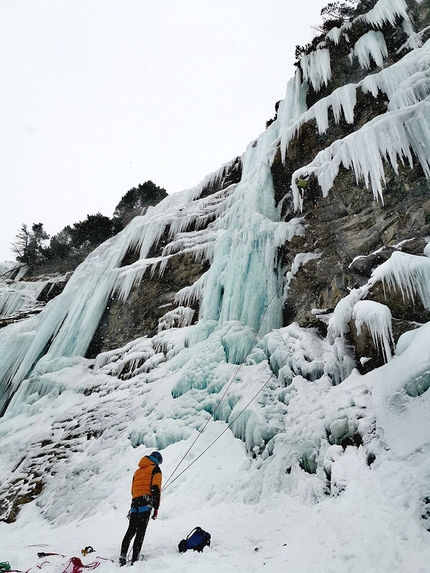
(261, 513)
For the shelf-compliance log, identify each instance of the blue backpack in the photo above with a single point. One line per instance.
(196, 540)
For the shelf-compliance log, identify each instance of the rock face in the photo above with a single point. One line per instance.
(146, 305)
(354, 234)
(351, 230)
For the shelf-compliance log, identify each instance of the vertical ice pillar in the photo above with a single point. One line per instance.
(244, 283)
(245, 280)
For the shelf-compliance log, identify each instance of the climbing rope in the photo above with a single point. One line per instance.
(169, 483)
(169, 480)
(229, 425)
(75, 565)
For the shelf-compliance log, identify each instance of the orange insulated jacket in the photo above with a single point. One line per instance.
(147, 481)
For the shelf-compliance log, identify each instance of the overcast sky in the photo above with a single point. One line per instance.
(98, 96)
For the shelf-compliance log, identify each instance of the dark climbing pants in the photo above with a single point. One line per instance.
(137, 529)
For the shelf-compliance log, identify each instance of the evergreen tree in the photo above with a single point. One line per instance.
(60, 245)
(339, 12)
(93, 231)
(136, 199)
(28, 245)
(84, 236)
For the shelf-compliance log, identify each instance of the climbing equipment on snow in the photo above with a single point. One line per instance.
(75, 565)
(87, 550)
(9, 570)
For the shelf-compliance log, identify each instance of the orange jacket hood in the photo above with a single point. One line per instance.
(145, 462)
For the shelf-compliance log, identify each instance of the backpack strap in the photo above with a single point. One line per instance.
(155, 490)
(192, 532)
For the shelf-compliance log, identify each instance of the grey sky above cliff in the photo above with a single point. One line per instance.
(100, 95)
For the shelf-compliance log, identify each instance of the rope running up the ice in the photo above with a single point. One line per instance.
(227, 427)
(169, 480)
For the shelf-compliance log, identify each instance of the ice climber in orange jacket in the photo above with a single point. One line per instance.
(145, 496)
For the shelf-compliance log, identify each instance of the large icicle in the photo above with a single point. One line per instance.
(409, 273)
(386, 11)
(405, 83)
(372, 45)
(317, 68)
(67, 324)
(244, 276)
(391, 137)
(377, 318)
